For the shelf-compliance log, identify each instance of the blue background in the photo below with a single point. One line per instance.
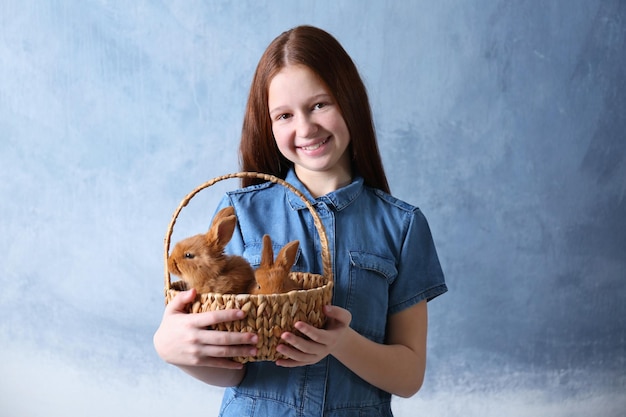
(504, 121)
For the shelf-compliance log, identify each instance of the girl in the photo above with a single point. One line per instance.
(308, 120)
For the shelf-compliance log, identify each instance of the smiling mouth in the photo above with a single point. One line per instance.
(316, 146)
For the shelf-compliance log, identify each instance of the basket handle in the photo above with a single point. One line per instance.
(326, 263)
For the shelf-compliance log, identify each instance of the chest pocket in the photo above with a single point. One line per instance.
(368, 293)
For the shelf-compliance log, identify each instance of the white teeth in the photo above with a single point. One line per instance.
(314, 147)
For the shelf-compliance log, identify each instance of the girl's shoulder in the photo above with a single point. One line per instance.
(253, 189)
(390, 207)
(265, 196)
(391, 202)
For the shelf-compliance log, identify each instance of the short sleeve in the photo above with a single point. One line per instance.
(420, 276)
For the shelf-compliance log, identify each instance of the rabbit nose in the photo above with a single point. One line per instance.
(173, 267)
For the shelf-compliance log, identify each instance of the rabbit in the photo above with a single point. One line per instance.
(272, 277)
(200, 260)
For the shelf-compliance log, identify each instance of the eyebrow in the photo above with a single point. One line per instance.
(314, 98)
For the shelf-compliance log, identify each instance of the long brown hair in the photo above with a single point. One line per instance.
(322, 53)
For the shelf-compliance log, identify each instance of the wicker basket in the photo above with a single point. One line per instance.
(267, 315)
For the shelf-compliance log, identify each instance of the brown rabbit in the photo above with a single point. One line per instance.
(200, 260)
(273, 277)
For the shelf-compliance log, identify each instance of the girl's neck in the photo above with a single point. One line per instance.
(322, 183)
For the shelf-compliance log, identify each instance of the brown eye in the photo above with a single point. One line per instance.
(189, 255)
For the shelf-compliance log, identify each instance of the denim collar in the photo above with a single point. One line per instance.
(339, 199)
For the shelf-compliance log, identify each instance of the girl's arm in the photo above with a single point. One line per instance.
(396, 367)
(183, 340)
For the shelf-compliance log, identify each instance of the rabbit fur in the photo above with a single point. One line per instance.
(200, 260)
(272, 277)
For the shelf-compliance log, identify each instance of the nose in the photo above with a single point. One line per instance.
(306, 127)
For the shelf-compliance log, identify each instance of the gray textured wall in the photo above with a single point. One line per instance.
(504, 121)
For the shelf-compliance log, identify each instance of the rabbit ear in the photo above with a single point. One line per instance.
(222, 227)
(287, 255)
(267, 256)
(223, 213)
(221, 231)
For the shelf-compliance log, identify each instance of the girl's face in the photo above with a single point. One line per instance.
(308, 126)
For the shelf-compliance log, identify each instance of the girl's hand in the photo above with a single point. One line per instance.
(184, 339)
(301, 351)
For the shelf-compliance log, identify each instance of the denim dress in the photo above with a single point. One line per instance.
(384, 261)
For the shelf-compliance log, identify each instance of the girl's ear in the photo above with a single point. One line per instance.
(267, 256)
(287, 255)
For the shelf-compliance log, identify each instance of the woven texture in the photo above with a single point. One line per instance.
(267, 315)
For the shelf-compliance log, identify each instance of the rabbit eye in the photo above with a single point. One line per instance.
(189, 255)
